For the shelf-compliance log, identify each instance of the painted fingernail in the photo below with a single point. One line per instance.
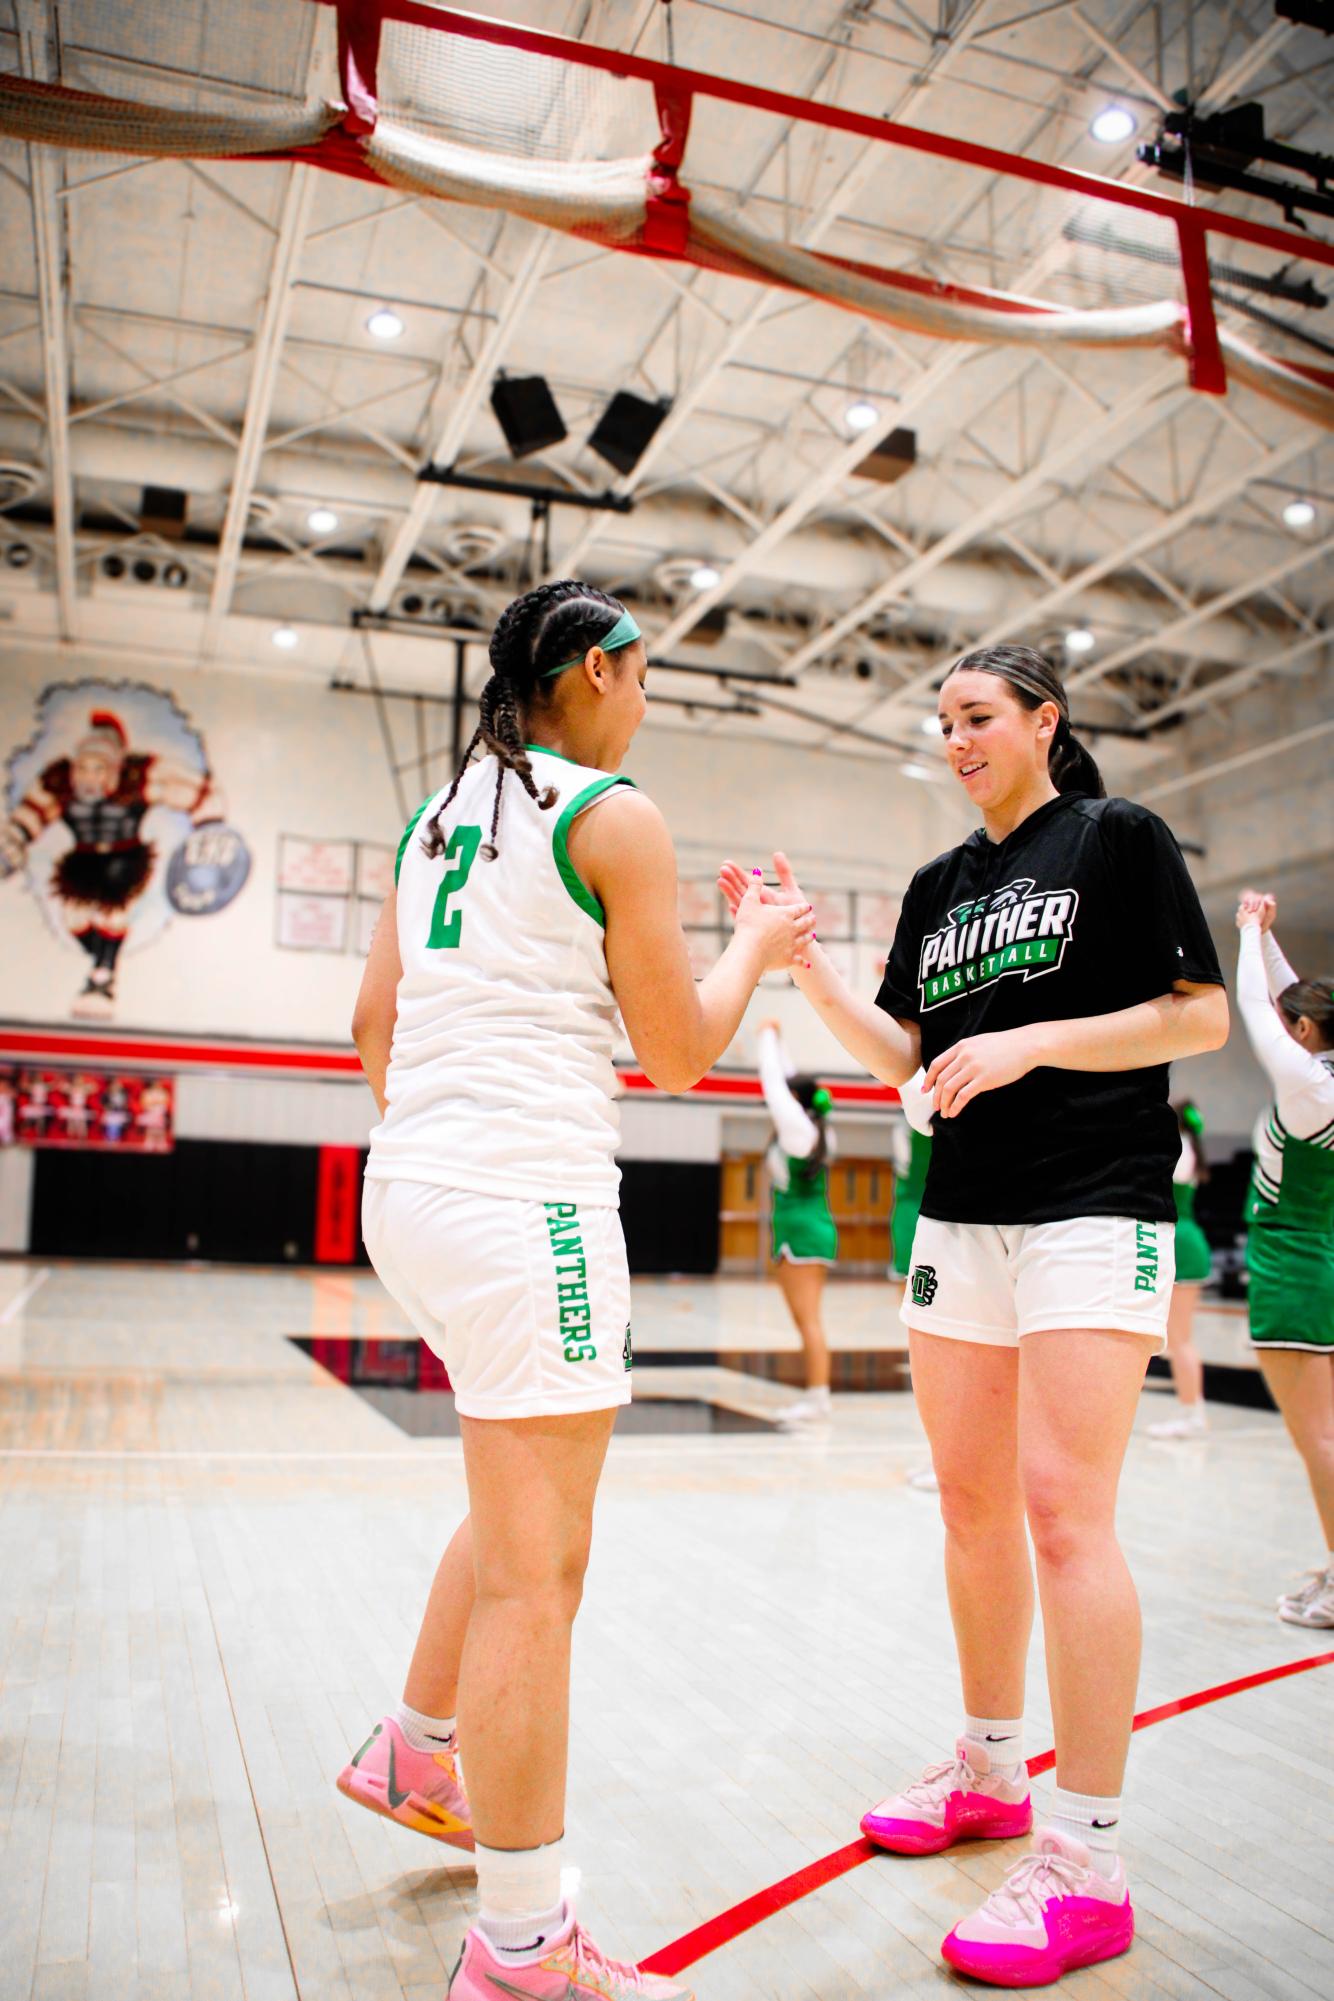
(757, 871)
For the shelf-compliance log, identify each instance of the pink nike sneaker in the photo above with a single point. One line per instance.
(1054, 1912)
(574, 1970)
(961, 1800)
(421, 1789)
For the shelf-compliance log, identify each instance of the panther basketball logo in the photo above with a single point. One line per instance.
(924, 1284)
(1017, 929)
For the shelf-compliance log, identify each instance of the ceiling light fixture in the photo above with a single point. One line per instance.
(930, 725)
(321, 521)
(1299, 514)
(703, 577)
(1079, 639)
(285, 637)
(384, 324)
(860, 416)
(1113, 125)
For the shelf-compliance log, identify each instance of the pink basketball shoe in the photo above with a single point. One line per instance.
(574, 1970)
(1054, 1912)
(420, 1789)
(961, 1800)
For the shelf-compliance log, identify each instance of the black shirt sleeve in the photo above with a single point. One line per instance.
(900, 993)
(1173, 941)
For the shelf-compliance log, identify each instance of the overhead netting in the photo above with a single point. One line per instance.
(462, 118)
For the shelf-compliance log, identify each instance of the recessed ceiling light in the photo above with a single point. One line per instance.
(175, 576)
(703, 577)
(860, 416)
(1112, 125)
(1079, 639)
(321, 521)
(915, 771)
(930, 725)
(384, 323)
(285, 636)
(1299, 514)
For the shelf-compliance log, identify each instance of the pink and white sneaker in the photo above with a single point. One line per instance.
(421, 1789)
(961, 1800)
(1054, 1912)
(574, 1970)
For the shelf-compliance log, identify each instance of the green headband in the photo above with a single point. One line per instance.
(821, 1100)
(1192, 1120)
(624, 633)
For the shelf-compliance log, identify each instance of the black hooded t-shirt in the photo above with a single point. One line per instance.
(1085, 908)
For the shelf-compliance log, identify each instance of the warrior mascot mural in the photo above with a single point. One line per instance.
(114, 779)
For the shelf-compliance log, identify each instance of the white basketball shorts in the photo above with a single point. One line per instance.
(527, 1304)
(995, 1282)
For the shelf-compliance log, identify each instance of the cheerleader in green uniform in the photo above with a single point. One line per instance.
(1290, 1218)
(805, 1237)
(1193, 1266)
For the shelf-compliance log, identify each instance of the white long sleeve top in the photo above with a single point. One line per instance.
(798, 1134)
(1303, 1084)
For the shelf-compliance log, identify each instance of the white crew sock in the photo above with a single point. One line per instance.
(1002, 1740)
(425, 1733)
(1096, 1822)
(521, 1912)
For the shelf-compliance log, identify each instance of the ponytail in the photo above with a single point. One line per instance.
(1070, 766)
(815, 1101)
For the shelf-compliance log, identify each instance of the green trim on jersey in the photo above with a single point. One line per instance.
(407, 836)
(544, 751)
(569, 875)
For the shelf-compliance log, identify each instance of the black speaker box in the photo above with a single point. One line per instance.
(526, 412)
(162, 511)
(625, 430)
(892, 457)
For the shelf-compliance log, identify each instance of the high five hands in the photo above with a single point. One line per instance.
(964, 1071)
(782, 930)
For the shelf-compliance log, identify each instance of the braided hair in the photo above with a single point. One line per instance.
(537, 632)
(1070, 767)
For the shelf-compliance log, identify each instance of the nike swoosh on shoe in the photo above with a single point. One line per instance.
(525, 1994)
(396, 1798)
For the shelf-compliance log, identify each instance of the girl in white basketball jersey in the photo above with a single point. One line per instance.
(485, 1025)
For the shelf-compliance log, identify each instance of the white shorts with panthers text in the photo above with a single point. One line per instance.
(527, 1304)
(995, 1282)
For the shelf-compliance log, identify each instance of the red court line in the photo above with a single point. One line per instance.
(743, 1917)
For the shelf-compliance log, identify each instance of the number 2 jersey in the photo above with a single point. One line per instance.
(500, 1077)
(1084, 909)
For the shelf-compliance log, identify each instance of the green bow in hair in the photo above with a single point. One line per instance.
(1192, 1121)
(821, 1101)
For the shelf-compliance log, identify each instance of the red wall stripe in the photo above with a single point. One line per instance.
(743, 1917)
(24, 1045)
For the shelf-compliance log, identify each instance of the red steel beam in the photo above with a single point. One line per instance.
(701, 83)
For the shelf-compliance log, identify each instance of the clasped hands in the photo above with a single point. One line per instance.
(960, 1073)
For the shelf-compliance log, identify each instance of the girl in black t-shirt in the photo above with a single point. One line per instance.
(1045, 972)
